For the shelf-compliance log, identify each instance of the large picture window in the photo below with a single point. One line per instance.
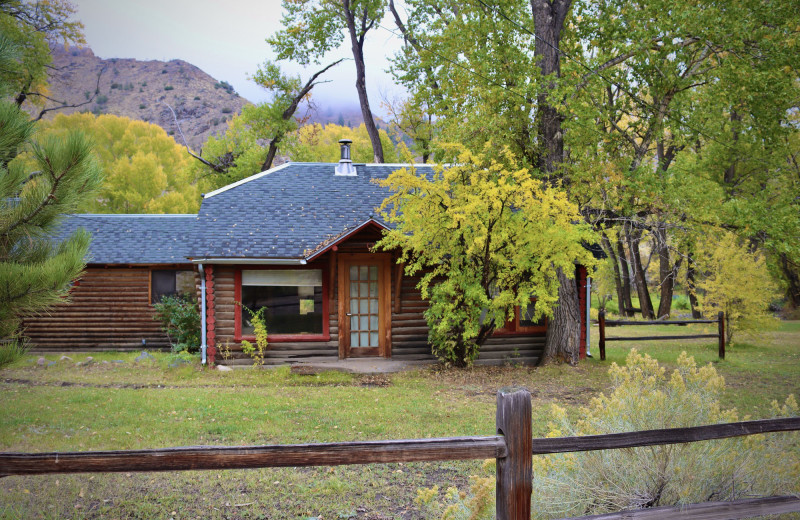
(293, 298)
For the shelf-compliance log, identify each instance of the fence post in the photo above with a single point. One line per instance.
(601, 321)
(515, 470)
(721, 318)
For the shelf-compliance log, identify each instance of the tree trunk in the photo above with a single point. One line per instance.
(617, 280)
(645, 303)
(791, 271)
(562, 343)
(691, 289)
(563, 333)
(667, 272)
(357, 44)
(625, 269)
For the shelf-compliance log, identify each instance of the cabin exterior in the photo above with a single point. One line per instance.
(298, 239)
(133, 261)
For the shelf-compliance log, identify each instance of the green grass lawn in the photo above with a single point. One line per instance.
(151, 405)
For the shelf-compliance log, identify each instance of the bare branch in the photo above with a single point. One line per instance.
(63, 106)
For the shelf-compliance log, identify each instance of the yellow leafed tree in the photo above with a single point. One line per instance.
(146, 171)
(736, 282)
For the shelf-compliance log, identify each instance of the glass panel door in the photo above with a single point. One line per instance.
(363, 308)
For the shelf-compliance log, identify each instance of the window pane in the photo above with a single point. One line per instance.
(354, 306)
(162, 283)
(526, 316)
(373, 323)
(353, 289)
(354, 272)
(184, 282)
(353, 322)
(364, 307)
(364, 323)
(363, 290)
(373, 272)
(362, 273)
(364, 339)
(373, 340)
(373, 289)
(373, 306)
(354, 339)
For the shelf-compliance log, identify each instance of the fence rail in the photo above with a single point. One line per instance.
(513, 448)
(603, 323)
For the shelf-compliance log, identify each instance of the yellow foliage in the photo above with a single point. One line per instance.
(736, 282)
(146, 171)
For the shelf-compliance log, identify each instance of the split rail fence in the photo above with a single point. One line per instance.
(513, 447)
(602, 323)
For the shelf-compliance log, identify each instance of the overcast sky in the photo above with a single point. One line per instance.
(226, 40)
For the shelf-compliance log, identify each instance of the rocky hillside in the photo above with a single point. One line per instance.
(142, 90)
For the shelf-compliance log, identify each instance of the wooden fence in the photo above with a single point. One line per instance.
(603, 323)
(513, 447)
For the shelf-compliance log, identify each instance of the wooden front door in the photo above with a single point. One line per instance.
(364, 305)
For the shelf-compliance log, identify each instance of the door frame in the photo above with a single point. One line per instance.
(384, 263)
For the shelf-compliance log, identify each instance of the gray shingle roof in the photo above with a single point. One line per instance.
(288, 211)
(134, 239)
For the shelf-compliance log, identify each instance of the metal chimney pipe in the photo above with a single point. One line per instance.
(345, 166)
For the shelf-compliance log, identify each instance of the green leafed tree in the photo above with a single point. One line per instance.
(254, 137)
(312, 28)
(31, 27)
(146, 171)
(485, 237)
(36, 268)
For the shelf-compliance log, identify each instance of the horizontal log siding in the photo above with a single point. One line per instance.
(110, 309)
(410, 334)
(277, 353)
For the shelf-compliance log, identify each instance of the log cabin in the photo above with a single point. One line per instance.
(298, 239)
(133, 261)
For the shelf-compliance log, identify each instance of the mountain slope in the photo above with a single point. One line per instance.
(143, 90)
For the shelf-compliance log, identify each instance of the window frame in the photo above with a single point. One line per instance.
(281, 338)
(513, 328)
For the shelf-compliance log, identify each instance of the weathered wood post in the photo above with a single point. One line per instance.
(601, 322)
(721, 318)
(514, 471)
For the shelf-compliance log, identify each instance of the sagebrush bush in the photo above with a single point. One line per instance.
(644, 398)
(180, 320)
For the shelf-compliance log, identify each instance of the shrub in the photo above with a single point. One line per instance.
(259, 324)
(180, 320)
(116, 85)
(11, 352)
(102, 99)
(197, 98)
(227, 110)
(142, 106)
(643, 398)
(169, 87)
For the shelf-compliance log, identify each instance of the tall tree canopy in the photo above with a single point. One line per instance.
(677, 117)
(312, 28)
(254, 137)
(146, 171)
(31, 28)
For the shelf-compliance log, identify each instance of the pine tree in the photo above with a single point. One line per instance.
(36, 268)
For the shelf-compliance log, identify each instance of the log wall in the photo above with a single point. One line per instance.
(409, 329)
(109, 309)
